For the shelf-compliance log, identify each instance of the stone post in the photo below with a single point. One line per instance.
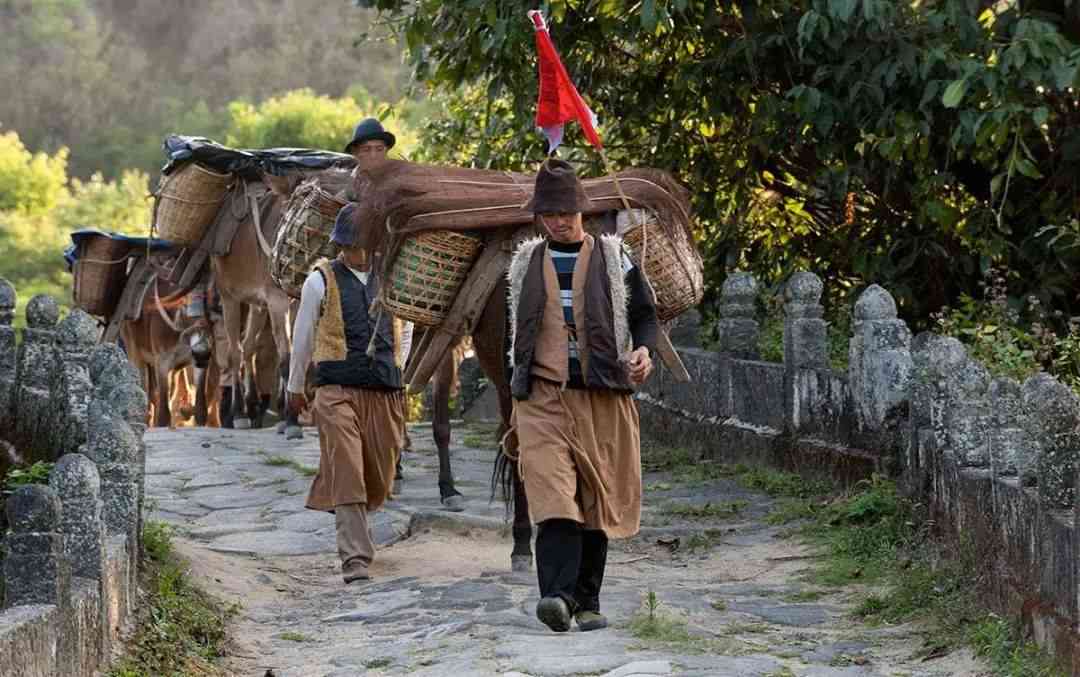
(968, 421)
(880, 364)
(1052, 417)
(933, 358)
(7, 350)
(36, 358)
(76, 482)
(805, 333)
(686, 330)
(1010, 446)
(737, 328)
(35, 569)
(72, 388)
(116, 449)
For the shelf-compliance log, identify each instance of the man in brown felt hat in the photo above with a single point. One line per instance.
(584, 327)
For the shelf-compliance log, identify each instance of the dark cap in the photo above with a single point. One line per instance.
(344, 234)
(557, 190)
(370, 129)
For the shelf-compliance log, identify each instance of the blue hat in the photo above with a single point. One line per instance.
(370, 129)
(344, 226)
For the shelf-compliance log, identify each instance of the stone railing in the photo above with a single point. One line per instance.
(994, 460)
(71, 549)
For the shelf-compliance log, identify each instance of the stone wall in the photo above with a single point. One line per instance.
(994, 460)
(71, 547)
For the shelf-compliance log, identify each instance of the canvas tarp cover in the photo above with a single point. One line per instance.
(248, 164)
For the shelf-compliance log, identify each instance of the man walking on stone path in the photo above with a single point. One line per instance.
(359, 405)
(583, 325)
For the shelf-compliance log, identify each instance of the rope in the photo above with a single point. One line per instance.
(173, 324)
(103, 262)
(257, 220)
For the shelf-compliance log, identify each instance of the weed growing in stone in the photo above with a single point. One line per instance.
(376, 663)
(481, 436)
(999, 642)
(285, 461)
(704, 511)
(295, 637)
(181, 629)
(38, 473)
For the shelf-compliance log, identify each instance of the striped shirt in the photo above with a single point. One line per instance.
(565, 257)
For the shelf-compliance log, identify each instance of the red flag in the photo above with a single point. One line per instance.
(559, 101)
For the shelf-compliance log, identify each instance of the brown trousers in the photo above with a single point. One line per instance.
(359, 441)
(355, 547)
(580, 457)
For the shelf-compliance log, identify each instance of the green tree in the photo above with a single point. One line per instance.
(30, 183)
(910, 144)
(304, 119)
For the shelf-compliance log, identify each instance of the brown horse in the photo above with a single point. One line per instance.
(158, 344)
(243, 278)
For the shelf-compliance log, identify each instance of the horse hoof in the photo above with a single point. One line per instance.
(520, 563)
(242, 423)
(455, 503)
(294, 432)
(280, 427)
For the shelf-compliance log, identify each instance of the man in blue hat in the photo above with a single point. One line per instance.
(370, 142)
(359, 405)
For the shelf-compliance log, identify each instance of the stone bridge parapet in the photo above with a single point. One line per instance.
(994, 460)
(70, 554)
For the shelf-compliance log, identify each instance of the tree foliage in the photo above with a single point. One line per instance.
(109, 78)
(914, 144)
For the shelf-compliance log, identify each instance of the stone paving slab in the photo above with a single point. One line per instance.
(443, 601)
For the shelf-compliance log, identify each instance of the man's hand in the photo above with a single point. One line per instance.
(639, 365)
(297, 403)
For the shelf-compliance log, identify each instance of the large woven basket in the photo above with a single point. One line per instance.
(426, 275)
(187, 201)
(100, 272)
(304, 236)
(671, 267)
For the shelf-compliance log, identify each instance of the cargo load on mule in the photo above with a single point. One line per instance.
(199, 174)
(438, 225)
(100, 264)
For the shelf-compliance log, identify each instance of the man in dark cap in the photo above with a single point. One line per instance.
(370, 142)
(584, 326)
(359, 405)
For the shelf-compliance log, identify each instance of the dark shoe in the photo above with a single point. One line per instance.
(554, 613)
(590, 620)
(356, 573)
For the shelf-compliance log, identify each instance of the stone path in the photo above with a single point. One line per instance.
(443, 601)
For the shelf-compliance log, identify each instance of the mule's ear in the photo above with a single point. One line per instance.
(279, 185)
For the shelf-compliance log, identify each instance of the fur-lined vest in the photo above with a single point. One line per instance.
(613, 311)
(344, 330)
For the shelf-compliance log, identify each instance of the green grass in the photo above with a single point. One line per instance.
(295, 637)
(376, 663)
(286, 462)
(704, 511)
(873, 535)
(181, 630)
(480, 436)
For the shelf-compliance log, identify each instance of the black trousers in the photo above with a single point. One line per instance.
(570, 563)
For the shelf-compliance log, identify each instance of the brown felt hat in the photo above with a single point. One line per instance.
(557, 190)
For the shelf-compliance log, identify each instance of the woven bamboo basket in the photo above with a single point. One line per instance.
(187, 201)
(304, 236)
(670, 266)
(100, 273)
(426, 275)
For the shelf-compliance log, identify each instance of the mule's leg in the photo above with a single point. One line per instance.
(233, 319)
(282, 311)
(161, 380)
(201, 412)
(245, 397)
(440, 427)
